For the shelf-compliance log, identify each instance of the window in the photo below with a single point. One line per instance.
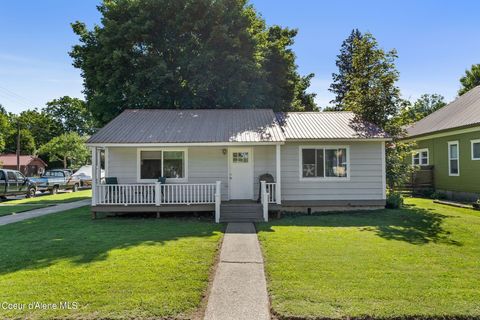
(453, 159)
(11, 176)
(324, 162)
(241, 157)
(475, 149)
(420, 157)
(19, 176)
(2, 176)
(154, 164)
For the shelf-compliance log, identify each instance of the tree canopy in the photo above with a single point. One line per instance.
(187, 54)
(470, 80)
(71, 113)
(69, 148)
(422, 107)
(341, 85)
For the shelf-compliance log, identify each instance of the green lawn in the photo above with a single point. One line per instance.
(11, 209)
(423, 260)
(113, 267)
(55, 198)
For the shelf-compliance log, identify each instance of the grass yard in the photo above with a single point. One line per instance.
(423, 260)
(13, 209)
(113, 268)
(63, 197)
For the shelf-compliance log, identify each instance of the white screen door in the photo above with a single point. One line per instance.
(241, 173)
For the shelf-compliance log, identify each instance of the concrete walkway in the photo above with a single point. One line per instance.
(239, 289)
(43, 211)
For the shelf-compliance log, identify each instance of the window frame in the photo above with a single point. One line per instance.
(450, 143)
(472, 142)
(419, 152)
(324, 179)
(178, 180)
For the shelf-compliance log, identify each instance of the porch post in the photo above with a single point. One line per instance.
(264, 197)
(218, 200)
(94, 176)
(278, 189)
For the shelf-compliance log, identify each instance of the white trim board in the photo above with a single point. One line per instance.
(444, 134)
(458, 159)
(472, 142)
(193, 144)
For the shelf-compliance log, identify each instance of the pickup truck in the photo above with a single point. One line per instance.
(13, 183)
(58, 179)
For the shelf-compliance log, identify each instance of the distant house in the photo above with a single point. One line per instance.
(29, 165)
(215, 160)
(448, 143)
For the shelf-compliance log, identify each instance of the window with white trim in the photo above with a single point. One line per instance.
(475, 149)
(325, 162)
(453, 159)
(420, 157)
(154, 164)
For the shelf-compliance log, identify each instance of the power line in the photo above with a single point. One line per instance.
(9, 94)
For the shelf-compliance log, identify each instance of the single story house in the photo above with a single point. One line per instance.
(29, 165)
(448, 142)
(214, 160)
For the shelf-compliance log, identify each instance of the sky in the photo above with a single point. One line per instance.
(436, 40)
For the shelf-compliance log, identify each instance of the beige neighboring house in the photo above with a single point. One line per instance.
(239, 164)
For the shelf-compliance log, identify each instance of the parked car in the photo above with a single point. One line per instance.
(57, 179)
(14, 183)
(84, 174)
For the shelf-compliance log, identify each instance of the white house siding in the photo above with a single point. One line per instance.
(209, 164)
(122, 163)
(264, 162)
(205, 165)
(365, 181)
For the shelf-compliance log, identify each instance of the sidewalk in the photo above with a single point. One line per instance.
(239, 289)
(43, 211)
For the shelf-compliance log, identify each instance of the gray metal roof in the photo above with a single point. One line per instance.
(191, 126)
(463, 111)
(326, 125)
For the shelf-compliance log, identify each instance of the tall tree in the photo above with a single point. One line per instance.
(470, 80)
(185, 54)
(72, 113)
(372, 94)
(422, 107)
(340, 85)
(69, 148)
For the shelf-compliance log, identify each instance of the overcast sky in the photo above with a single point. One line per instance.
(436, 41)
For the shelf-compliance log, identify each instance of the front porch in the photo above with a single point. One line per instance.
(157, 197)
(192, 190)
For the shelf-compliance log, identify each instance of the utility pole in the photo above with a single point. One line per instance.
(18, 145)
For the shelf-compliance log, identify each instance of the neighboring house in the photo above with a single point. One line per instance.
(29, 165)
(213, 159)
(448, 141)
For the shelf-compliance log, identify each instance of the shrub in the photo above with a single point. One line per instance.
(394, 200)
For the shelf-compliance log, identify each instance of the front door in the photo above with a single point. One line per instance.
(241, 173)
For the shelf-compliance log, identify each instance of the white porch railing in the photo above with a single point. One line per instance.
(272, 192)
(156, 194)
(187, 193)
(126, 194)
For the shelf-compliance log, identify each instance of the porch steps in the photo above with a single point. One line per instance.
(241, 212)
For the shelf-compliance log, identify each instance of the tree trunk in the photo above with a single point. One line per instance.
(64, 162)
